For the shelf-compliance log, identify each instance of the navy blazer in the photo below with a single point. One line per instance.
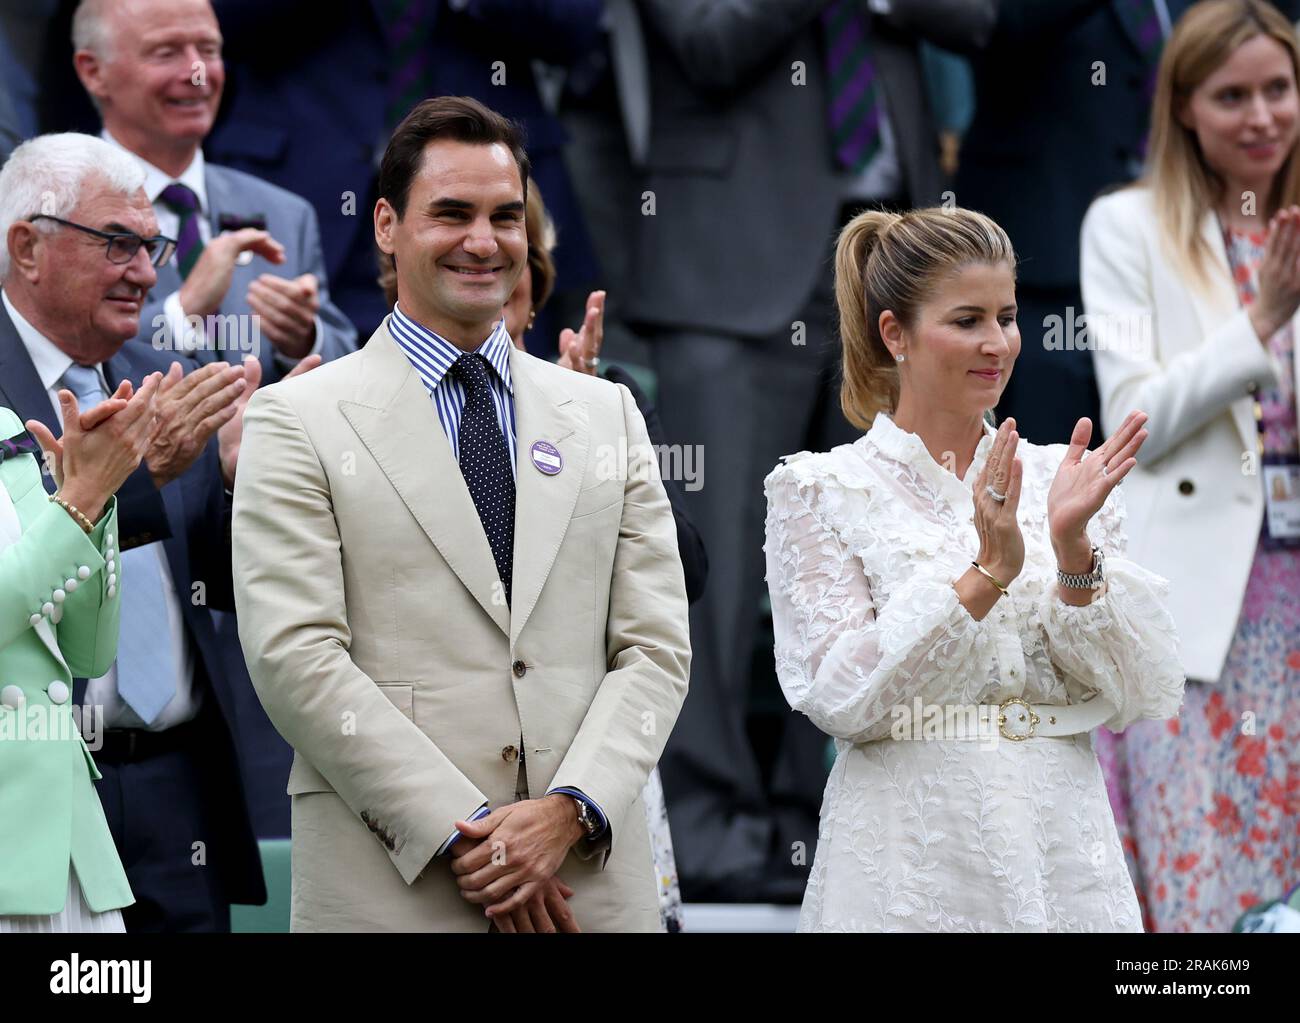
(305, 104)
(191, 517)
(1045, 140)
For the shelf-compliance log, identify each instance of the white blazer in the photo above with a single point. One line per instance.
(1186, 355)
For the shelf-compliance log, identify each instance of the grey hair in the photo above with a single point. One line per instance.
(46, 174)
(89, 30)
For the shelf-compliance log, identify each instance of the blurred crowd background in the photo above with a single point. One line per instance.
(696, 158)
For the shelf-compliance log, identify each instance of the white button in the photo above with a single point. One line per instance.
(112, 579)
(57, 691)
(83, 572)
(12, 697)
(112, 565)
(60, 596)
(34, 620)
(71, 585)
(112, 592)
(108, 539)
(47, 608)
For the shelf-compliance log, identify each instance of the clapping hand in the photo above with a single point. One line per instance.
(100, 448)
(287, 310)
(1082, 485)
(191, 408)
(1002, 546)
(581, 350)
(231, 434)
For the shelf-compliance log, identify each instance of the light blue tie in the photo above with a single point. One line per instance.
(146, 670)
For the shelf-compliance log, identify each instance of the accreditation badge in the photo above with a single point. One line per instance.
(1282, 501)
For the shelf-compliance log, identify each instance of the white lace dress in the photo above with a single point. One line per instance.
(863, 544)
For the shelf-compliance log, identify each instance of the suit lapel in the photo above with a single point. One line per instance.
(1213, 306)
(394, 417)
(21, 389)
(543, 504)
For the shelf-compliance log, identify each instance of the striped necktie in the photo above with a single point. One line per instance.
(20, 444)
(182, 201)
(409, 24)
(854, 90)
(146, 669)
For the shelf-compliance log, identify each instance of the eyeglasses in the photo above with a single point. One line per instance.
(121, 246)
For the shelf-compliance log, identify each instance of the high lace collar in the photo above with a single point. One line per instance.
(893, 441)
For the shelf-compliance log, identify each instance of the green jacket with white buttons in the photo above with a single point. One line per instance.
(58, 618)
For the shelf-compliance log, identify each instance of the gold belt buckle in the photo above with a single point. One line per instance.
(1026, 714)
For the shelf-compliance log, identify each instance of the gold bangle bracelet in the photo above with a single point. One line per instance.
(985, 573)
(75, 512)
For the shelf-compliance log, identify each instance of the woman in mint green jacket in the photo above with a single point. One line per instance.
(59, 605)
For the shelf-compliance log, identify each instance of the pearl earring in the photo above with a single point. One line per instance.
(898, 357)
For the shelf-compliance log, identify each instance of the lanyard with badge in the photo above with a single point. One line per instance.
(1279, 471)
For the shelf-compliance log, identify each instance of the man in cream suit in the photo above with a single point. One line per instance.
(475, 607)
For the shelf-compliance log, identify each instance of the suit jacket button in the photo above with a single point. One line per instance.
(1186, 487)
(519, 668)
(13, 697)
(509, 754)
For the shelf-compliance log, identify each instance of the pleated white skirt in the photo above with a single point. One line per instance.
(75, 918)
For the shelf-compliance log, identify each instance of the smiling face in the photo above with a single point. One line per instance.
(64, 284)
(1244, 115)
(462, 244)
(959, 353)
(159, 84)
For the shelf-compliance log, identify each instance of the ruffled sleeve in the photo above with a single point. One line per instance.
(1124, 644)
(840, 659)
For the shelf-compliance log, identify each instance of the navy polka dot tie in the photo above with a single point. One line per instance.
(485, 463)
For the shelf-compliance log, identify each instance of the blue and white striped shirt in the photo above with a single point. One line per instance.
(432, 356)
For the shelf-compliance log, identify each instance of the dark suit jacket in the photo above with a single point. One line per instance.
(191, 517)
(1045, 140)
(739, 158)
(695, 560)
(310, 115)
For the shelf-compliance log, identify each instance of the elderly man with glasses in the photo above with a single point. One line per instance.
(81, 250)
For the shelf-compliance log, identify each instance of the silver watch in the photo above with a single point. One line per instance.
(587, 818)
(1089, 581)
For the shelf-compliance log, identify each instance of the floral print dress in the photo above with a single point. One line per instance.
(1208, 804)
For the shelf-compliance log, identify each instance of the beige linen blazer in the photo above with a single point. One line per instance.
(379, 641)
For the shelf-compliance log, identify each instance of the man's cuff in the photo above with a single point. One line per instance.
(181, 337)
(478, 814)
(595, 808)
(286, 363)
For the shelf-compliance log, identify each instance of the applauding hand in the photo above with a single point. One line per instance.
(1083, 484)
(581, 350)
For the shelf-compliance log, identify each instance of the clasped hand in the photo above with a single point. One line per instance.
(507, 861)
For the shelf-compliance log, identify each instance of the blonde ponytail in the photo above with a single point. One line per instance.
(890, 261)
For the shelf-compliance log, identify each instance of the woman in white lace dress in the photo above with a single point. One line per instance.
(954, 606)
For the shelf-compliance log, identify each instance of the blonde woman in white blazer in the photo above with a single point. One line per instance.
(1191, 284)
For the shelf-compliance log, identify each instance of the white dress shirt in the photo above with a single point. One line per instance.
(51, 363)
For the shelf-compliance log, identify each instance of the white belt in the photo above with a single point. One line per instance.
(1018, 720)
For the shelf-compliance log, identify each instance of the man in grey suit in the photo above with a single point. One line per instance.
(768, 123)
(153, 69)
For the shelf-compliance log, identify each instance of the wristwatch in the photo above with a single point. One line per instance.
(587, 818)
(1084, 582)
